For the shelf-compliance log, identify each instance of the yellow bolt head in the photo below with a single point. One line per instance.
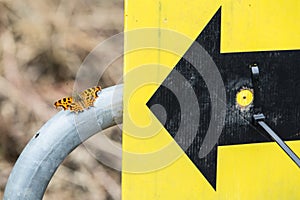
(244, 97)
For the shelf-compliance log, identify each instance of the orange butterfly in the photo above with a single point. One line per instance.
(80, 102)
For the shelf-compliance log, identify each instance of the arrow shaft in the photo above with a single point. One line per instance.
(280, 142)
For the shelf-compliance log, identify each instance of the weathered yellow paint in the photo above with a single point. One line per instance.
(154, 167)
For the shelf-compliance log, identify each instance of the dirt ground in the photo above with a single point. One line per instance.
(42, 45)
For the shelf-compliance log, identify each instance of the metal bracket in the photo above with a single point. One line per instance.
(256, 88)
(259, 117)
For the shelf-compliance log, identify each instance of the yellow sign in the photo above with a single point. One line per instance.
(157, 35)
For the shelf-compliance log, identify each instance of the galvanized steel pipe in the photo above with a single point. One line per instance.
(56, 139)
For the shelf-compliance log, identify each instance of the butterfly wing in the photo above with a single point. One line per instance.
(89, 96)
(91, 92)
(85, 100)
(76, 107)
(97, 89)
(64, 103)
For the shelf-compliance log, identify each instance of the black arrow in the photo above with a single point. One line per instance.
(280, 97)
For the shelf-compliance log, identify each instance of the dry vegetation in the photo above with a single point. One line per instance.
(42, 44)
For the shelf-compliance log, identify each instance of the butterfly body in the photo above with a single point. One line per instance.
(79, 102)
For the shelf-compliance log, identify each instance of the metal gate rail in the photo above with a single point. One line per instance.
(56, 139)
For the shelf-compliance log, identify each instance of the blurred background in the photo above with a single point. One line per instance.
(42, 45)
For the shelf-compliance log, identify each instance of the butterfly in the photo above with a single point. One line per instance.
(79, 102)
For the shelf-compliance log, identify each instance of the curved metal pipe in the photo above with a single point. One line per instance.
(56, 139)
